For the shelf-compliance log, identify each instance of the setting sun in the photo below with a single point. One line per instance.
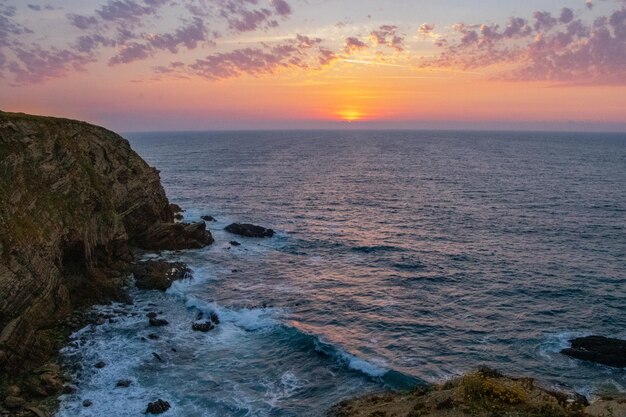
(351, 115)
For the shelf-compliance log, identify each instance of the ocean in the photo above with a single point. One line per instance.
(400, 258)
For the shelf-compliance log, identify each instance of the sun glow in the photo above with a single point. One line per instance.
(351, 115)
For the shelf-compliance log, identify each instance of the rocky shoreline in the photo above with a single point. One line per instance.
(483, 393)
(78, 204)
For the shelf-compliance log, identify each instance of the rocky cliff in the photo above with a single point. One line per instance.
(73, 198)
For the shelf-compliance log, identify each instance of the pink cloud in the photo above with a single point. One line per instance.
(564, 49)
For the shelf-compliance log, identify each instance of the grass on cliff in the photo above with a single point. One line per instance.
(484, 393)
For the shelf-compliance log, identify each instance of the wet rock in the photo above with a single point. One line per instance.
(234, 243)
(87, 403)
(152, 315)
(14, 403)
(36, 411)
(202, 327)
(158, 407)
(175, 236)
(70, 389)
(157, 357)
(158, 322)
(159, 275)
(124, 383)
(214, 318)
(100, 365)
(249, 230)
(176, 208)
(208, 218)
(178, 216)
(599, 349)
(153, 336)
(51, 383)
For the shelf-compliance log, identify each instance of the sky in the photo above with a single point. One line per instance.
(147, 65)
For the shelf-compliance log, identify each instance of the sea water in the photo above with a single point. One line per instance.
(400, 258)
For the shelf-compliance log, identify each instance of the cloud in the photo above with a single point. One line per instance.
(299, 53)
(426, 29)
(563, 49)
(189, 36)
(354, 44)
(388, 35)
(35, 65)
(131, 52)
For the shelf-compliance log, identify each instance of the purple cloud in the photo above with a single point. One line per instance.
(130, 52)
(354, 44)
(564, 49)
(36, 64)
(299, 53)
(388, 35)
(189, 36)
(281, 7)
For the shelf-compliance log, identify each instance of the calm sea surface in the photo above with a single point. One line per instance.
(400, 258)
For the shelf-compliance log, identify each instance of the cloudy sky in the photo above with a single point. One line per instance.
(240, 64)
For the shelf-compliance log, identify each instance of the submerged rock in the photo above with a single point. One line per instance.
(603, 350)
(203, 326)
(249, 230)
(159, 275)
(175, 236)
(158, 407)
(208, 218)
(100, 365)
(123, 383)
(234, 243)
(87, 403)
(158, 322)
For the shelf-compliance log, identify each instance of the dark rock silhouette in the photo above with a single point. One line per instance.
(603, 350)
(249, 230)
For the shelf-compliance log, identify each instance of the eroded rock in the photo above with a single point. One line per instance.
(249, 230)
(159, 275)
(158, 407)
(599, 349)
(175, 236)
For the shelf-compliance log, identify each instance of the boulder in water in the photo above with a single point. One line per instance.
(158, 407)
(208, 218)
(249, 230)
(204, 326)
(599, 349)
(158, 322)
(159, 275)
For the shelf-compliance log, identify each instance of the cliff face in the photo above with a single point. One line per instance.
(72, 196)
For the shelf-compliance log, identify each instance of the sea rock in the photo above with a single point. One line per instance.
(249, 230)
(214, 318)
(599, 349)
(208, 218)
(158, 322)
(158, 407)
(159, 275)
(202, 326)
(70, 389)
(124, 383)
(13, 403)
(152, 315)
(234, 243)
(178, 216)
(100, 365)
(153, 336)
(176, 208)
(175, 236)
(87, 403)
(74, 196)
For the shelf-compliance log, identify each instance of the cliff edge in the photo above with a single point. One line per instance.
(73, 198)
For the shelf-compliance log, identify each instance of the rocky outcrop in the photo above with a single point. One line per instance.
(177, 236)
(159, 275)
(599, 349)
(73, 198)
(485, 393)
(249, 230)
